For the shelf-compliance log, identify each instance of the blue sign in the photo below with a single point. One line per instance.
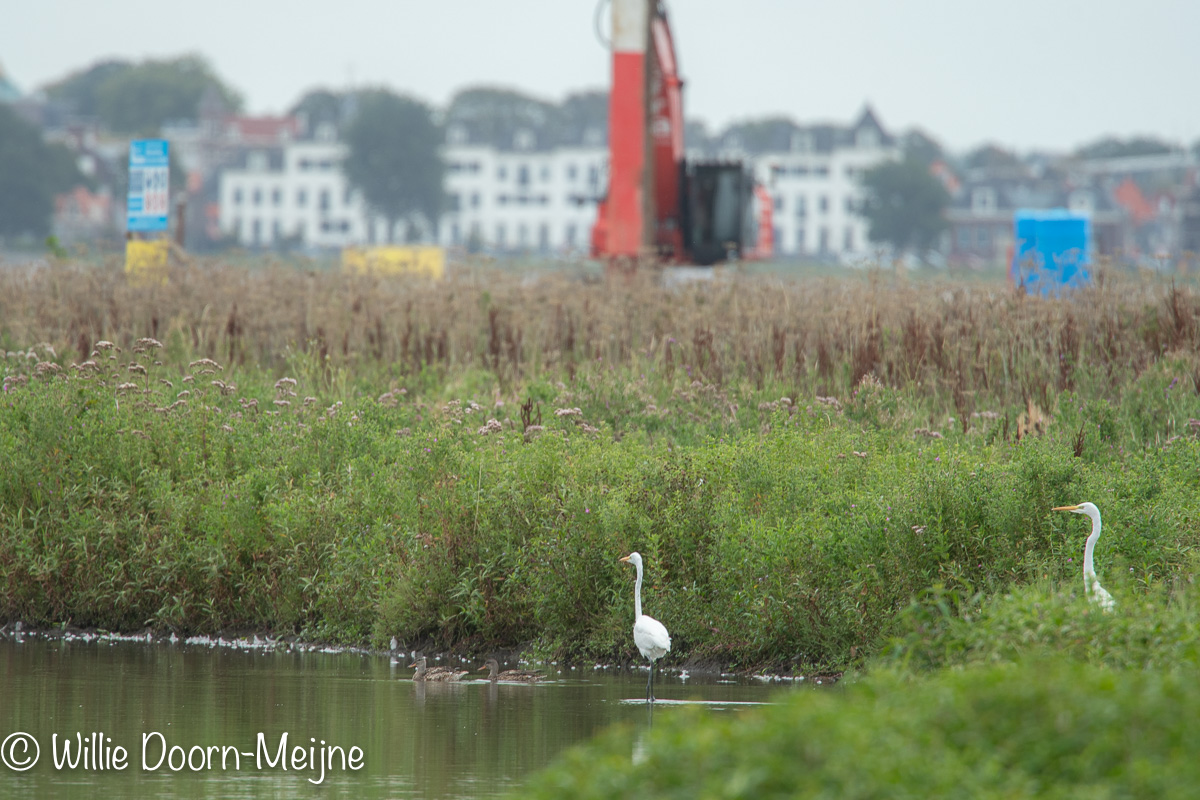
(1053, 250)
(148, 204)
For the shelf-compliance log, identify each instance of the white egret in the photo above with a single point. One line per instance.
(509, 675)
(649, 634)
(1091, 584)
(429, 674)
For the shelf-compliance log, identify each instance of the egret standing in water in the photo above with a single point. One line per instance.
(1091, 584)
(649, 634)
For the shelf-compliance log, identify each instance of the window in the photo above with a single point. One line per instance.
(801, 206)
(276, 231)
(256, 232)
(500, 233)
(544, 237)
(501, 173)
(569, 234)
(237, 197)
(522, 234)
(304, 164)
(821, 172)
(824, 243)
(502, 199)
(848, 240)
(572, 172)
(545, 174)
(475, 200)
(823, 203)
(454, 233)
(983, 237)
(964, 238)
(301, 197)
(300, 231)
(778, 203)
(256, 197)
(523, 175)
(849, 205)
(277, 197)
(347, 195)
(593, 176)
(800, 172)
(323, 202)
(800, 240)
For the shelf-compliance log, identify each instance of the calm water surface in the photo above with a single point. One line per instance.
(437, 740)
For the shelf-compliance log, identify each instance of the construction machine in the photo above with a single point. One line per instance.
(659, 204)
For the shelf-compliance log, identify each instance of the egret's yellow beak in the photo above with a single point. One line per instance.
(1065, 508)
(624, 558)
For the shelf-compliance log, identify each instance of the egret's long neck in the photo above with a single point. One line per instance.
(1089, 569)
(637, 593)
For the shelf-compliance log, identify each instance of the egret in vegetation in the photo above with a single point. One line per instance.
(442, 674)
(509, 675)
(1091, 584)
(649, 634)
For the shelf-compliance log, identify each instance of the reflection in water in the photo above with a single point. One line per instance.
(462, 739)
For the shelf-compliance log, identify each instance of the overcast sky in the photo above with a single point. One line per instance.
(1021, 73)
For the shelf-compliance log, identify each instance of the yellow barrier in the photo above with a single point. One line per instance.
(146, 261)
(395, 260)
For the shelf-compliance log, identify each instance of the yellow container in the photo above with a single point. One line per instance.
(146, 261)
(395, 260)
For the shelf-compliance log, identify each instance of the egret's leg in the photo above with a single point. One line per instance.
(650, 685)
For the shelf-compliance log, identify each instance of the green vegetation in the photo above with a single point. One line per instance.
(1032, 729)
(395, 157)
(138, 98)
(31, 174)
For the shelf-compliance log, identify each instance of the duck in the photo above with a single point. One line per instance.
(509, 675)
(441, 674)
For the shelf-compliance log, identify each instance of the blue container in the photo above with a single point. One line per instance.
(1053, 250)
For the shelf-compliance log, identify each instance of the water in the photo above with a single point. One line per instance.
(416, 740)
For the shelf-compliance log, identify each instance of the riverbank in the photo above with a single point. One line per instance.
(795, 479)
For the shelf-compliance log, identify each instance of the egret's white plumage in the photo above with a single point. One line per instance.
(650, 635)
(1091, 584)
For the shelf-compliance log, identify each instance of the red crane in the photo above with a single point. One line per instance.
(658, 203)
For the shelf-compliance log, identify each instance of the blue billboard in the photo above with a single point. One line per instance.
(1053, 250)
(147, 205)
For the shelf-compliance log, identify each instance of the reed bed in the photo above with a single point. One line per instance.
(958, 347)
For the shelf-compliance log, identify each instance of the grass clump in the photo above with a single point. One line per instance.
(1033, 728)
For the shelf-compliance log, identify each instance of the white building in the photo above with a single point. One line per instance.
(813, 176)
(539, 199)
(296, 192)
(522, 200)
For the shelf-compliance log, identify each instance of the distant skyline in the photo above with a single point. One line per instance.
(1023, 74)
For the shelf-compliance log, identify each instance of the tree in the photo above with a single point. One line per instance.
(395, 157)
(321, 106)
(904, 206)
(78, 90)
(993, 158)
(920, 146)
(31, 174)
(1112, 147)
(138, 100)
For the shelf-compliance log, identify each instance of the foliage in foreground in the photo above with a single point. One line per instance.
(1155, 629)
(792, 543)
(1051, 729)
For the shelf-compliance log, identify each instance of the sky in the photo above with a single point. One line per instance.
(1023, 74)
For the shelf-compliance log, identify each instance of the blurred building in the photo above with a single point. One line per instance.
(813, 176)
(525, 195)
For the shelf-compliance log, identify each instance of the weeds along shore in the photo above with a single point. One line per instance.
(462, 463)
